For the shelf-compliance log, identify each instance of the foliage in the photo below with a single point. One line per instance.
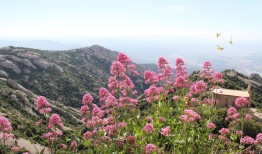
(175, 115)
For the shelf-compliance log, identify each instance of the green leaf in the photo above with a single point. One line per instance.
(67, 139)
(87, 143)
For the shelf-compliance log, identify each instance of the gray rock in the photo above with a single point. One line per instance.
(9, 65)
(26, 62)
(3, 74)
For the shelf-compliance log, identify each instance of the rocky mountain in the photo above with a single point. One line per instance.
(63, 76)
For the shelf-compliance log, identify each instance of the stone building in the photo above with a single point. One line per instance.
(227, 97)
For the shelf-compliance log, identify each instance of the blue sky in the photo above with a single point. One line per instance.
(144, 29)
(80, 19)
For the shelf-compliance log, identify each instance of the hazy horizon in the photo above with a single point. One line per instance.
(145, 30)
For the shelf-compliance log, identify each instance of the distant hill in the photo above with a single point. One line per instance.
(63, 76)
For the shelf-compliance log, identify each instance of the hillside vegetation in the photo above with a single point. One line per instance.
(175, 114)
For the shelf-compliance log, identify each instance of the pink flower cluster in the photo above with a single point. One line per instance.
(5, 125)
(152, 93)
(259, 137)
(218, 78)
(211, 125)
(149, 128)
(224, 131)
(55, 120)
(247, 140)
(125, 60)
(232, 114)
(190, 116)
(198, 88)
(241, 102)
(161, 63)
(150, 148)
(5, 128)
(180, 82)
(150, 77)
(130, 139)
(181, 68)
(249, 116)
(42, 105)
(117, 69)
(87, 99)
(165, 131)
(15, 149)
(52, 136)
(207, 71)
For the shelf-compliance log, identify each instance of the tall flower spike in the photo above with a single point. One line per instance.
(117, 69)
(87, 99)
(55, 120)
(42, 105)
(123, 58)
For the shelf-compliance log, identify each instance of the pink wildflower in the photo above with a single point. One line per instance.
(15, 149)
(165, 131)
(207, 64)
(161, 63)
(218, 78)
(211, 136)
(249, 116)
(117, 69)
(123, 58)
(231, 111)
(63, 146)
(162, 119)
(224, 131)
(181, 68)
(5, 125)
(223, 138)
(73, 144)
(149, 119)
(149, 128)
(211, 125)
(247, 140)
(259, 137)
(97, 111)
(122, 124)
(150, 148)
(87, 98)
(85, 110)
(190, 116)
(179, 62)
(103, 94)
(130, 139)
(55, 120)
(152, 93)
(42, 105)
(88, 135)
(198, 88)
(175, 98)
(207, 71)
(241, 101)
(180, 82)
(150, 77)
(39, 122)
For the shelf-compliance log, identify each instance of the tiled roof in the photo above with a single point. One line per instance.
(231, 92)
